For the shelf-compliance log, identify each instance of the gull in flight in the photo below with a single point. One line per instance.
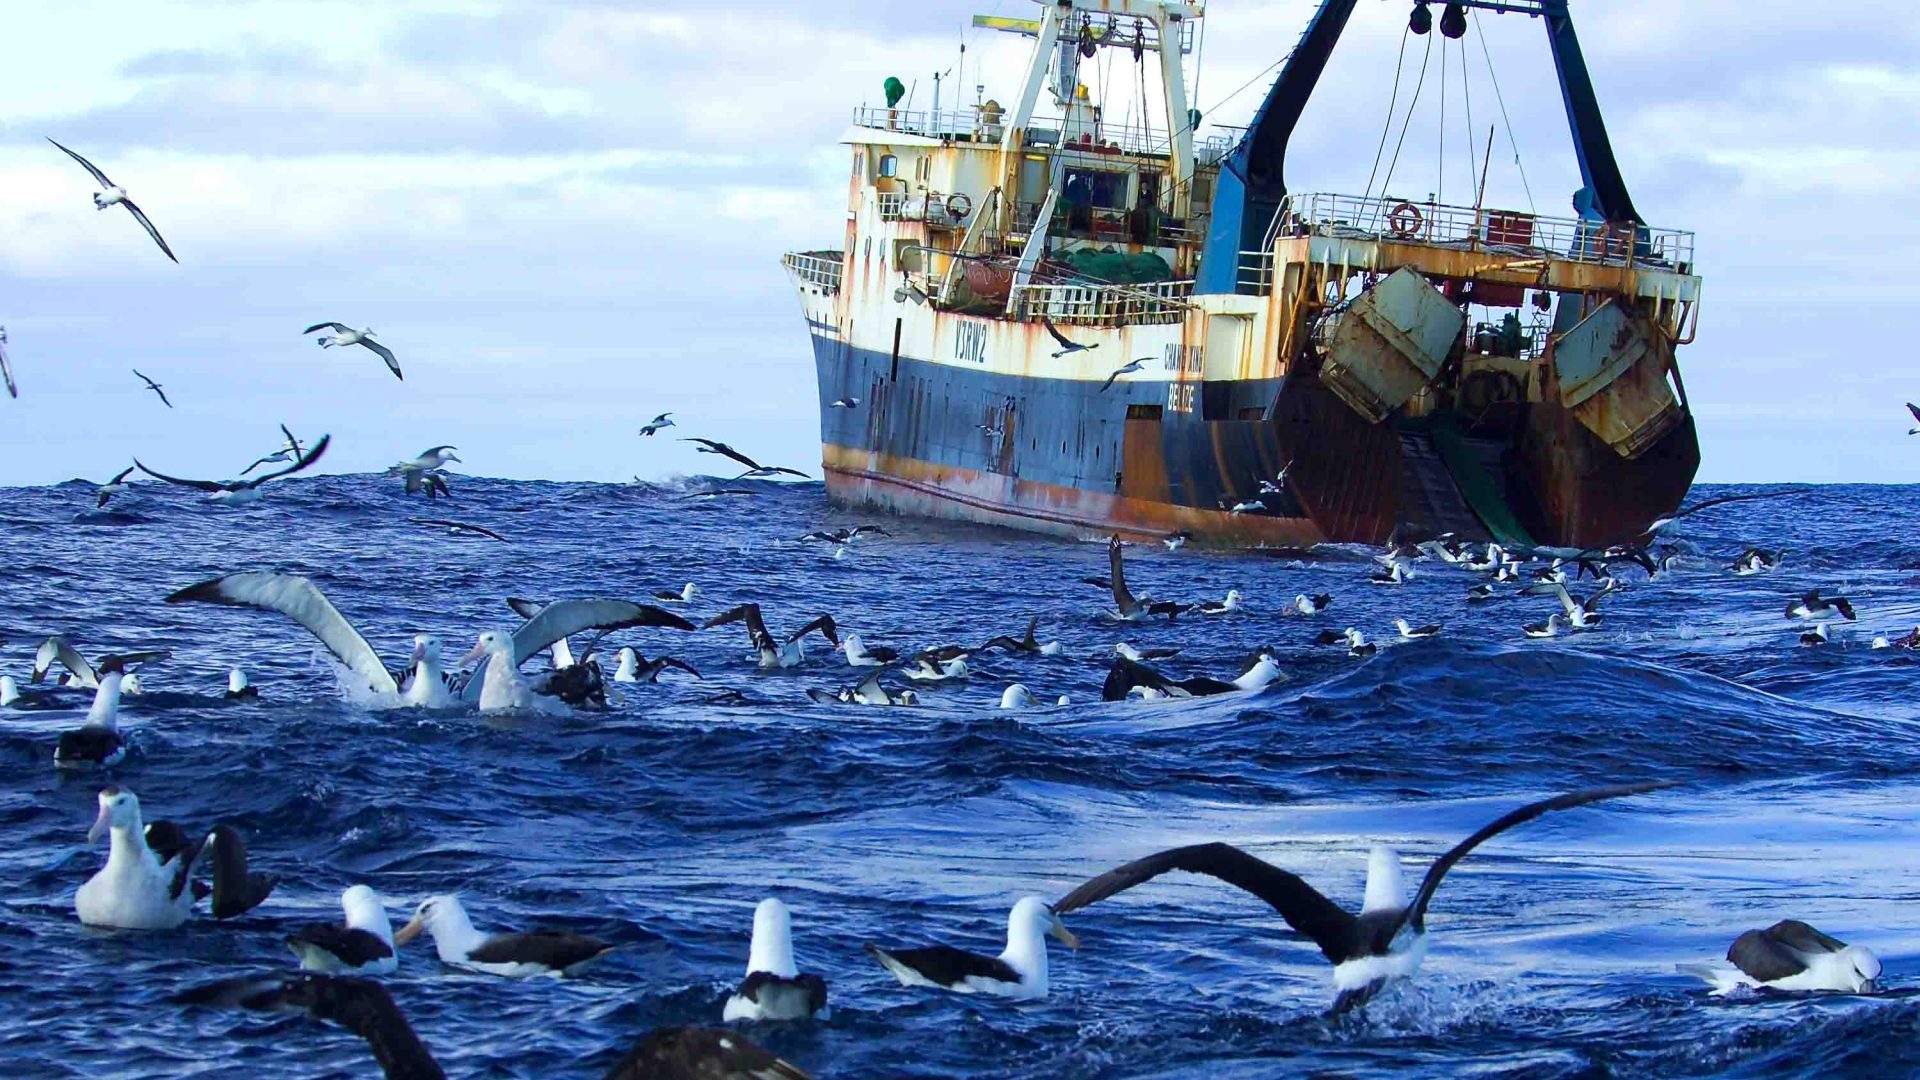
(346, 335)
(657, 423)
(113, 194)
(155, 387)
(240, 492)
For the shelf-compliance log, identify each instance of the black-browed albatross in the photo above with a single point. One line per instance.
(541, 952)
(344, 335)
(240, 492)
(1385, 941)
(112, 194)
(775, 989)
(775, 652)
(1020, 971)
(1790, 955)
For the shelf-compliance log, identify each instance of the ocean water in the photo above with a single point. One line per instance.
(658, 823)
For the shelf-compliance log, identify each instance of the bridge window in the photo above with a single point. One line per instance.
(889, 165)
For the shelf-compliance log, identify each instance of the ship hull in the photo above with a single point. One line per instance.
(1071, 457)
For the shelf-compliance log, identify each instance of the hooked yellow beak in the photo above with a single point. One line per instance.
(410, 931)
(1059, 930)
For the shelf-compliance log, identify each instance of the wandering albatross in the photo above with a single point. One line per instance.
(1020, 971)
(1385, 941)
(111, 194)
(344, 335)
(145, 884)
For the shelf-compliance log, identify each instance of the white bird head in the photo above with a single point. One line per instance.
(1034, 920)
(772, 948)
(437, 915)
(119, 809)
(629, 665)
(1386, 891)
(364, 908)
(1864, 968)
(495, 643)
(426, 649)
(1015, 697)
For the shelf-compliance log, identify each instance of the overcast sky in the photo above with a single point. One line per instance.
(566, 217)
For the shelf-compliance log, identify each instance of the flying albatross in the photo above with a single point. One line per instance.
(1790, 955)
(155, 387)
(111, 194)
(1020, 971)
(240, 492)
(754, 468)
(6, 367)
(346, 335)
(289, 452)
(1385, 941)
(664, 420)
(515, 956)
(1660, 525)
(362, 1006)
(774, 988)
(1067, 347)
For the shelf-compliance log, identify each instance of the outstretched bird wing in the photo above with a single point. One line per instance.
(691, 1051)
(1915, 410)
(198, 485)
(1722, 500)
(386, 354)
(6, 371)
(362, 1006)
(1057, 335)
(824, 624)
(292, 443)
(338, 328)
(302, 601)
(1417, 911)
(461, 525)
(1117, 576)
(88, 165)
(564, 618)
(306, 459)
(140, 216)
(1299, 903)
(750, 614)
(726, 451)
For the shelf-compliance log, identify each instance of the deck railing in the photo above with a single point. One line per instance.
(1502, 231)
(1157, 302)
(1041, 131)
(820, 269)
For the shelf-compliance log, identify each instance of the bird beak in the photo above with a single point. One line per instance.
(100, 826)
(478, 654)
(419, 651)
(409, 932)
(1058, 929)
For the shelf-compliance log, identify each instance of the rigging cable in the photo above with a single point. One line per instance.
(1386, 129)
(1474, 181)
(1391, 165)
(1503, 114)
(1440, 184)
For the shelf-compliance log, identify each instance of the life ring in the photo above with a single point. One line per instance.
(1405, 220)
(959, 206)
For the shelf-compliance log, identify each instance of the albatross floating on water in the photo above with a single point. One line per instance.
(344, 335)
(363, 946)
(146, 883)
(774, 988)
(1385, 941)
(515, 956)
(1020, 971)
(241, 492)
(98, 743)
(1128, 608)
(112, 194)
(1790, 955)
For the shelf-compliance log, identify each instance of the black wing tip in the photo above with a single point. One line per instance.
(206, 592)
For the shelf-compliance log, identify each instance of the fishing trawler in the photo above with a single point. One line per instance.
(1063, 324)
